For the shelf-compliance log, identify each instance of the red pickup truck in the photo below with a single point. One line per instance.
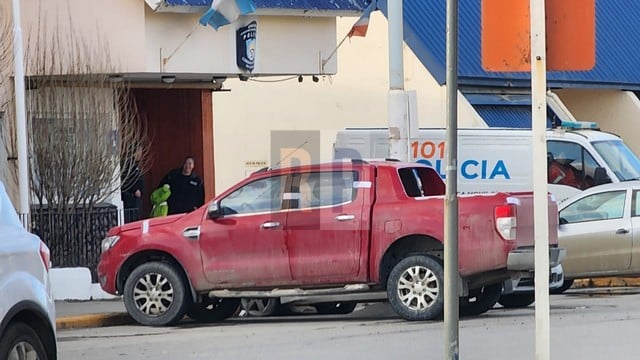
(342, 230)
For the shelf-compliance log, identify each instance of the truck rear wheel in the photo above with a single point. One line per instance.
(480, 300)
(518, 300)
(415, 288)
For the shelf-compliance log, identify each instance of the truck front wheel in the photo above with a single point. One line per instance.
(155, 294)
(415, 288)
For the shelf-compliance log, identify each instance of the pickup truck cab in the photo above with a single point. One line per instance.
(346, 228)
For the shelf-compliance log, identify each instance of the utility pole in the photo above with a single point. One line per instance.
(540, 205)
(451, 291)
(21, 122)
(398, 99)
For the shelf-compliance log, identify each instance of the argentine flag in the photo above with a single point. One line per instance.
(224, 12)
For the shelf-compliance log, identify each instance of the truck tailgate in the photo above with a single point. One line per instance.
(524, 216)
(482, 246)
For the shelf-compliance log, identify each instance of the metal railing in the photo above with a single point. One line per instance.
(74, 235)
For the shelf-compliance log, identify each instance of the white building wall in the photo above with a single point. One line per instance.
(93, 26)
(137, 39)
(614, 110)
(355, 97)
(284, 44)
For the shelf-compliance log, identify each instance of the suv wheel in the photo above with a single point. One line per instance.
(416, 288)
(336, 308)
(155, 294)
(213, 309)
(262, 306)
(566, 285)
(20, 341)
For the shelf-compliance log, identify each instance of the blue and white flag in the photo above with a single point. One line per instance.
(224, 12)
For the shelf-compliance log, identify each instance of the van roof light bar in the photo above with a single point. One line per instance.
(575, 125)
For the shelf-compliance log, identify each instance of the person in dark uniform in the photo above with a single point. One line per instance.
(187, 190)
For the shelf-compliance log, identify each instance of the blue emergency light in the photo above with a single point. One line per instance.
(578, 124)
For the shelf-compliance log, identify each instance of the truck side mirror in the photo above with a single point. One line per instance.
(600, 176)
(214, 212)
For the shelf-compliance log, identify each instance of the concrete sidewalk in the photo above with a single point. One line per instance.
(95, 313)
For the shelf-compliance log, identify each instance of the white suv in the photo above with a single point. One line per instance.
(27, 309)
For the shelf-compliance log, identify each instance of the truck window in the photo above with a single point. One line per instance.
(420, 181)
(565, 165)
(262, 195)
(328, 188)
(635, 206)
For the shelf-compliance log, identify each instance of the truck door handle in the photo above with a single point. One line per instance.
(270, 225)
(345, 217)
(622, 231)
(192, 233)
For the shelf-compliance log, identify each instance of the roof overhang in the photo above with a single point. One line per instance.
(166, 7)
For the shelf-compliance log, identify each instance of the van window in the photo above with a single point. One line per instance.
(635, 205)
(620, 159)
(570, 164)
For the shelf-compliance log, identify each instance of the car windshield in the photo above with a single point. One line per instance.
(624, 163)
(8, 214)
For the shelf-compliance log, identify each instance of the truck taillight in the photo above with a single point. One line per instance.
(45, 255)
(506, 223)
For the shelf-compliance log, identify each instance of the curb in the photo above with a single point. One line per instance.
(606, 282)
(93, 320)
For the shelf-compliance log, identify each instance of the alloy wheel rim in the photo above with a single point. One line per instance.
(255, 305)
(23, 351)
(153, 294)
(418, 288)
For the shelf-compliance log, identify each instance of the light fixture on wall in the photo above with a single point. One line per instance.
(300, 78)
(168, 79)
(315, 78)
(116, 77)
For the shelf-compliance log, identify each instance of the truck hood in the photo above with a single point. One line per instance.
(152, 222)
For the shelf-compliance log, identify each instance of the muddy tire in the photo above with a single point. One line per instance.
(336, 308)
(155, 294)
(20, 341)
(566, 285)
(261, 306)
(515, 301)
(480, 300)
(213, 309)
(415, 288)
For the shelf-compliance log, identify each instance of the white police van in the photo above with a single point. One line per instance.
(498, 159)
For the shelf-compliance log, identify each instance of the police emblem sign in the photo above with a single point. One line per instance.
(246, 46)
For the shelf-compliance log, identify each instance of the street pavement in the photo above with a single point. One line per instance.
(585, 324)
(96, 313)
